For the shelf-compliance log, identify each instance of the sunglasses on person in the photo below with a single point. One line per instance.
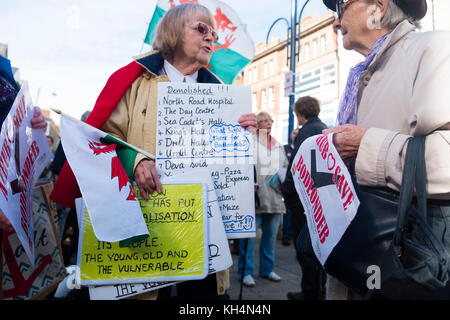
(203, 28)
(341, 6)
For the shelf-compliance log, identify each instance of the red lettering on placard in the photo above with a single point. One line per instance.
(20, 112)
(5, 155)
(331, 162)
(322, 142)
(336, 173)
(345, 192)
(304, 177)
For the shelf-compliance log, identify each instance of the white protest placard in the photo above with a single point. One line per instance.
(325, 188)
(20, 167)
(197, 128)
(219, 252)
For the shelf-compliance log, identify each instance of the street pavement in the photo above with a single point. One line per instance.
(286, 266)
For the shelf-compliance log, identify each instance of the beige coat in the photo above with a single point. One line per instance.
(134, 120)
(406, 92)
(268, 162)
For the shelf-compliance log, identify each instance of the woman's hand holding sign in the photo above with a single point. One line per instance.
(38, 121)
(147, 178)
(248, 121)
(346, 140)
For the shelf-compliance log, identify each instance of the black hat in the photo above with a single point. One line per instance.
(414, 8)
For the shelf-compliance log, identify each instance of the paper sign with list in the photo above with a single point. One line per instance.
(197, 128)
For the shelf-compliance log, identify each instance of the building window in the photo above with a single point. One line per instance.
(254, 101)
(329, 67)
(307, 52)
(255, 74)
(265, 70)
(312, 80)
(315, 48)
(306, 75)
(271, 98)
(309, 89)
(249, 76)
(263, 99)
(323, 44)
(329, 75)
(271, 68)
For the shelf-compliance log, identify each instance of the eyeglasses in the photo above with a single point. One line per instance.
(203, 28)
(341, 6)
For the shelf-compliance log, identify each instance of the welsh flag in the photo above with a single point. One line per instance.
(113, 208)
(235, 48)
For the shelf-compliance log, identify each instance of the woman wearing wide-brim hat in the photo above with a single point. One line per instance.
(400, 90)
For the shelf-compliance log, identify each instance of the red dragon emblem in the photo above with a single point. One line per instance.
(117, 169)
(172, 2)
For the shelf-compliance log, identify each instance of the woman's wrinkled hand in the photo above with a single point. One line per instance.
(248, 121)
(4, 223)
(38, 121)
(147, 178)
(346, 140)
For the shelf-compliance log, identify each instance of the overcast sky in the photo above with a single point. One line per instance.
(69, 48)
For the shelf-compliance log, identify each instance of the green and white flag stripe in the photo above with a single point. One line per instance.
(126, 153)
(235, 48)
(157, 15)
(227, 65)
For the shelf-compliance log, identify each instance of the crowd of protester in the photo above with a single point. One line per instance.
(397, 92)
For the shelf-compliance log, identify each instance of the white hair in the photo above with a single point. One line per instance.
(395, 15)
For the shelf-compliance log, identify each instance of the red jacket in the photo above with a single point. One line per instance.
(66, 189)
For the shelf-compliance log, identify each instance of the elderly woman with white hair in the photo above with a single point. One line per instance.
(127, 108)
(183, 47)
(270, 157)
(400, 90)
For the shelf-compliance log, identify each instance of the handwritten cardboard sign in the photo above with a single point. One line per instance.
(176, 249)
(219, 255)
(197, 129)
(20, 281)
(325, 188)
(24, 154)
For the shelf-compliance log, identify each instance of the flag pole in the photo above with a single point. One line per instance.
(145, 153)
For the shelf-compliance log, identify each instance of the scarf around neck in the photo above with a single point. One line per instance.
(348, 106)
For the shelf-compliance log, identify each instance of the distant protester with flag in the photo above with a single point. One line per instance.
(127, 109)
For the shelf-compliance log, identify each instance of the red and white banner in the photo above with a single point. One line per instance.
(24, 154)
(325, 188)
